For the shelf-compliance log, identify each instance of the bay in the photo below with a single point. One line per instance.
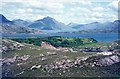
(101, 37)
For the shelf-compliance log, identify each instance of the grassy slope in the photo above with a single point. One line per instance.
(35, 59)
(34, 52)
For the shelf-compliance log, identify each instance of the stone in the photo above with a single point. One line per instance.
(109, 60)
(35, 67)
(43, 59)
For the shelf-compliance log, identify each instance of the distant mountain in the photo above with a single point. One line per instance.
(73, 25)
(10, 27)
(4, 19)
(21, 22)
(47, 23)
(98, 27)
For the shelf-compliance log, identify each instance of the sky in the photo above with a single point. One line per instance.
(66, 11)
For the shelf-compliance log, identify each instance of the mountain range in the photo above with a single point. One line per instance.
(21, 22)
(50, 24)
(47, 23)
(12, 27)
(98, 27)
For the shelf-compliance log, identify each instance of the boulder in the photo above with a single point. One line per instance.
(109, 60)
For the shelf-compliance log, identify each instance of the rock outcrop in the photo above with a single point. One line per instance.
(47, 45)
(8, 45)
(109, 60)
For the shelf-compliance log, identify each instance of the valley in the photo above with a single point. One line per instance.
(48, 48)
(65, 39)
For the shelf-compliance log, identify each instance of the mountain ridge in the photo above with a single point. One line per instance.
(50, 24)
(3, 19)
(107, 26)
(11, 27)
(47, 23)
(21, 22)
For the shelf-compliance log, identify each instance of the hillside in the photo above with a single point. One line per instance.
(47, 23)
(11, 27)
(97, 27)
(3, 19)
(21, 22)
(27, 60)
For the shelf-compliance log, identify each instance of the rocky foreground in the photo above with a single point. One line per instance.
(25, 59)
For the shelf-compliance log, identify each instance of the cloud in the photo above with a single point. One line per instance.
(98, 9)
(86, 2)
(79, 11)
(115, 5)
(46, 5)
(21, 11)
(30, 10)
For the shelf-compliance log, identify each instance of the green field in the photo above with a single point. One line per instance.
(58, 41)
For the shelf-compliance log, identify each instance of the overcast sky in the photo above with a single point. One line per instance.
(66, 11)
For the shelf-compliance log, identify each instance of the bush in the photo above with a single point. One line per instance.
(57, 41)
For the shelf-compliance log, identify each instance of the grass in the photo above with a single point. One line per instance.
(99, 44)
(35, 59)
(57, 41)
(34, 52)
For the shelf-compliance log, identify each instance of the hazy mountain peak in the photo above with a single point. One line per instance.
(72, 24)
(94, 23)
(117, 21)
(99, 27)
(47, 19)
(17, 20)
(47, 23)
(3, 19)
(21, 22)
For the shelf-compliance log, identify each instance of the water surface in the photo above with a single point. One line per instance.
(101, 37)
